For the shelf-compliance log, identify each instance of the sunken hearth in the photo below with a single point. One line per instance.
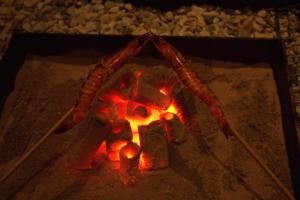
(139, 114)
(146, 136)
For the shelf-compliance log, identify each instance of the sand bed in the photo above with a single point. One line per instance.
(206, 166)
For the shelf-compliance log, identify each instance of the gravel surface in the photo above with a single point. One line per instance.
(116, 17)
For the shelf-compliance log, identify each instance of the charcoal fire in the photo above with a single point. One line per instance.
(120, 134)
(129, 157)
(154, 146)
(176, 132)
(129, 163)
(150, 96)
(139, 120)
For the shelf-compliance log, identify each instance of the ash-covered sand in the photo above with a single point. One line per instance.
(206, 166)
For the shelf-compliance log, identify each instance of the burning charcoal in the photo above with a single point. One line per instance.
(143, 93)
(154, 146)
(120, 129)
(140, 111)
(129, 157)
(159, 76)
(186, 101)
(119, 134)
(125, 81)
(176, 132)
(129, 163)
(95, 133)
(106, 111)
(136, 110)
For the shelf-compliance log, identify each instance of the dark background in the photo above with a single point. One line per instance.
(171, 4)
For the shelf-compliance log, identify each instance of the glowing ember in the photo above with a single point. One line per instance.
(136, 121)
(130, 151)
(129, 154)
(143, 162)
(113, 155)
(168, 116)
(137, 113)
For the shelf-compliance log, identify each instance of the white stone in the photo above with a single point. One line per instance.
(79, 3)
(297, 60)
(197, 9)
(224, 16)
(106, 18)
(237, 12)
(216, 20)
(20, 16)
(297, 49)
(3, 36)
(257, 27)
(295, 89)
(298, 109)
(30, 3)
(61, 22)
(39, 27)
(263, 35)
(285, 35)
(169, 15)
(114, 9)
(98, 7)
(262, 13)
(7, 2)
(47, 1)
(128, 7)
(204, 32)
(260, 20)
(79, 19)
(73, 23)
(5, 11)
(96, 1)
(27, 27)
(181, 20)
(176, 30)
(201, 21)
(126, 21)
(90, 26)
(232, 26)
(268, 29)
(211, 14)
(89, 7)
(290, 61)
(164, 28)
(290, 52)
(236, 19)
(72, 11)
(82, 29)
(90, 16)
(56, 16)
(139, 31)
(40, 5)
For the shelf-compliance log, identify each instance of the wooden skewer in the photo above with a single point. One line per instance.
(37, 145)
(234, 132)
(264, 166)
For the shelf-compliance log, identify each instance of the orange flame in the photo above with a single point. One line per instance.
(113, 155)
(130, 151)
(135, 121)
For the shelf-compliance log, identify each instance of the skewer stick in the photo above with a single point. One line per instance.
(233, 131)
(264, 166)
(37, 145)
